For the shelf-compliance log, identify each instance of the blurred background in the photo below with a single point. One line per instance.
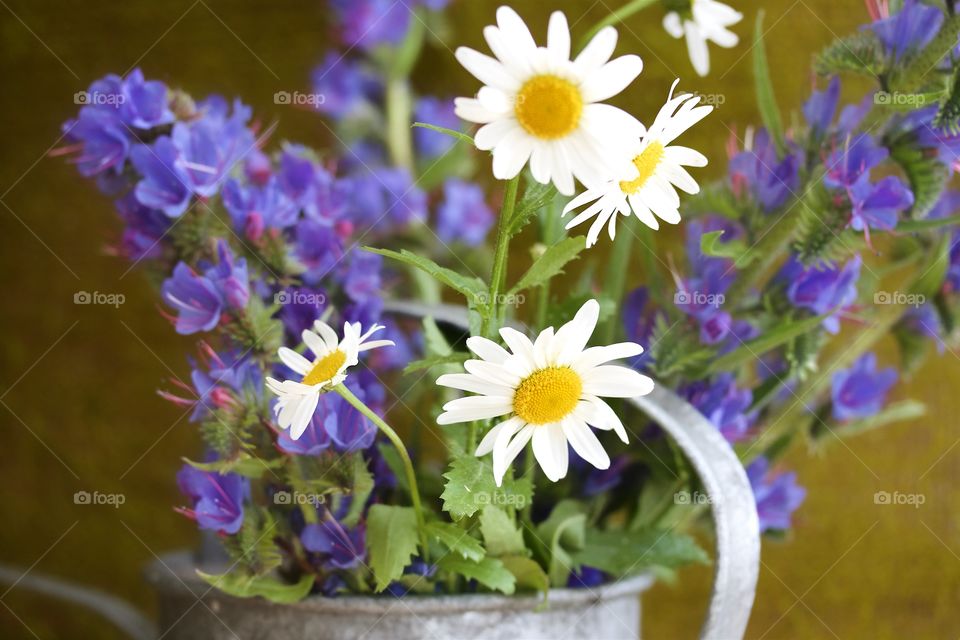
(78, 405)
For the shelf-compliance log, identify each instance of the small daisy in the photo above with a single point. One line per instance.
(549, 392)
(540, 106)
(705, 20)
(660, 169)
(332, 357)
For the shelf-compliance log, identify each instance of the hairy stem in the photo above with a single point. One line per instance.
(616, 17)
(491, 318)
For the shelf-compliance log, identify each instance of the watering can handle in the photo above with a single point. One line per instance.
(731, 498)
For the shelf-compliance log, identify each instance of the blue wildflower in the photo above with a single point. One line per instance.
(105, 142)
(317, 246)
(820, 108)
(438, 112)
(253, 208)
(230, 277)
(144, 230)
(762, 173)
(777, 496)
(348, 88)
(724, 404)
(861, 390)
(463, 215)
(854, 159)
(301, 306)
(163, 184)
(876, 205)
(369, 24)
(910, 29)
(342, 547)
(197, 300)
(822, 289)
(217, 498)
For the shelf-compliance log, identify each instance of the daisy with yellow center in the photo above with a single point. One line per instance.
(539, 105)
(332, 356)
(548, 391)
(659, 168)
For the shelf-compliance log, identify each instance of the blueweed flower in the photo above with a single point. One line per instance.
(877, 205)
(586, 577)
(257, 167)
(919, 127)
(217, 498)
(144, 229)
(724, 404)
(759, 171)
(105, 142)
(195, 298)
(369, 24)
(599, 481)
(924, 321)
(342, 547)
(822, 288)
(318, 247)
(386, 197)
(821, 107)
(464, 215)
(348, 87)
(300, 307)
(219, 380)
(254, 208)
(777, 495)
(314, 440)
(348, 429)
(639, 317)
(854, 158)
(439, 112)
(230, 277)
(163, 184)
(861, 391)
(910, 29)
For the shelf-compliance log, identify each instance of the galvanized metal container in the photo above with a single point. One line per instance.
(191, 610)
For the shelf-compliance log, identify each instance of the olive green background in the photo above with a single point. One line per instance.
(77, 384)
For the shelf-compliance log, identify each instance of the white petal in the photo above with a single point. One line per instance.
(471, 110)
(467, 382)
(504, 454)
(685, 156)
(558, 36)
(519, 344)
(597, 52)
(495, 373)
(612, 78)
(612, 381)
(673, 25)
(487, 349)
(511, 154)
(595, 356)
(573, 336)
(490, 135)
(511, 426)
(486, 69)
(601, 416)
(327, 333)
(303, 415)
(481, 407)
(625, 125)
(294, 360)
(550, 449)
(584, 442)
(697, 48)
(515, 31)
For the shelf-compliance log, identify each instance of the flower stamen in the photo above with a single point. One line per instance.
(325, 368)
(646, 163)
(547, 395)
(548, 107)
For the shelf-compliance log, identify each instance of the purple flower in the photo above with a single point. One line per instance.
(314, 441)
(725, 405)
(163, 184)
(210, 146)
(876, 205)
(919, 127)
(854, 159)
(586, 577)
(822, 289)
(145, 228)
(386, 193)
(318, 247)
(924, 321)
(760, 171)
(301, 306)
(344, 548)
(217, 499)
(820, 108)
(348, 88)
(600, 481)
(197, 300)
(230, 278)
(464, 214)
(910, 29)
(777, 496)
(348, 429)
(371, 23)
(437, 112)
(861, 390)
(639, 318)
(105, 141)
(145, 102)
(295, 176)
(253, 208)
(257, 167)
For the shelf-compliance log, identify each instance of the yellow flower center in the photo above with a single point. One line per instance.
(548, 107)
(646, 163)
(325, 368)
(547, 395)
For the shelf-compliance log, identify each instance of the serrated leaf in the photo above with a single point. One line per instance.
(458, 135)
(771, 339)
(470, 486)
(456, 539)
(528, 572)
(626, 552)
(934, 272)
(710, 245)
(927, 175)
(535, 197)
(490, 572)
(763, 86)
(500, 534)
(240, 585)
(550, 264)
(471, 287)
(361, 486)
(391, 541)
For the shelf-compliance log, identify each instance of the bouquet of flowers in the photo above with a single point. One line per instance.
(383, 408)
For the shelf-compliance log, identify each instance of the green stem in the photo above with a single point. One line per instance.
(616, 277)
(500, 256)
(617, 16)
(399, 117)
(404, 456)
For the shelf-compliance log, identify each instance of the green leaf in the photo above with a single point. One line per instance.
(896, 412)
(927, 175)
(934, 272)
(456, 539)
(433, 338)
(490, 572)
(528, 572)
(240, 585)
(242, 464)
(462, 137)
(500, 534)
(535, 197)
(361, 486)
(470, 486)
(766, 100)
(389, 454)
(563, 532)
(859, 53)
(471, 287)
(626, 552)
(771, 339)
(910, 226)
(550, 264)
(948, 115)
(391, 541)
(710, 245)
(458, 357)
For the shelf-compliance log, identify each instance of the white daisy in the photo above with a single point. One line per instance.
(331, 358)
(659, 169)
(540, 106)
(705, 20)
(549, 392)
